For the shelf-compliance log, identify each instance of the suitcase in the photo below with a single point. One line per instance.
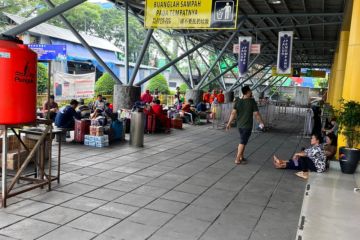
(116, 130)
(150, 123)
(176, 123)
(82, 128)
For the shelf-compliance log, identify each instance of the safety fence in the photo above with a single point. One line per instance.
(271, 112)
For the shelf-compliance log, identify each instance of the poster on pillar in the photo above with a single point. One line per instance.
(284, 52)
(244, 55)
(185, 14)
(73, 86)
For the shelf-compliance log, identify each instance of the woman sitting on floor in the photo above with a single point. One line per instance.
(312, 158)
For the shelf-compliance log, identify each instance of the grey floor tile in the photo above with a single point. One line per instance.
(116, 210)
(105, 194)
(134, 199)
(93, 223)
(58, 215)
(179, 196)
(96, 181)
(68, 233)
(84, 203)
(167, 206)
(190, 188)
(164, 234)
(54, 197)
(27, 208)
(122, 186)
(7, 219)
(28, 229)
(150, 191)
(127, 230)
(88, 171)
(186, 225)
(150, 217)
(76, 188)
(112, 175)
(201, 213)
(137, 179)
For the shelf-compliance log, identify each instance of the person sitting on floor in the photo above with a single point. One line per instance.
(65, 118)
(146, 97)
(50, 106)
(330, 146)
(312, 158)
(82, 110)
(188, 109)
(334, 128)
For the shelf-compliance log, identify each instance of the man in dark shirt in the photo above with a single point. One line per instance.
(243, 111)
(65, 118)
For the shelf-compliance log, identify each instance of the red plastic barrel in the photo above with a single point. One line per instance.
(18, 77)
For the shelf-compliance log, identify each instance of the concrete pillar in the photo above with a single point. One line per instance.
(352, 72)
(125, 96)
(342, 57)
(229, 97)
(195, 95)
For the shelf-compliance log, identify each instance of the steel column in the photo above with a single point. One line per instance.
(252, 75)
(141, 55)
(272, 84)
(250, 65)
(43, 18)
(179, 58)
(262, 77)
(169, 59)
(85, 44)
(126, 41)
(220, 54)
(278, 86)
(260, 83)
(221, 75)
(189, 64)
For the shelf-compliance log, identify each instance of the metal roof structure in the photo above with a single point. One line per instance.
(64, 34)
(316, 25)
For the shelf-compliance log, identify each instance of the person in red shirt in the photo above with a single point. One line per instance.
(146, 97)
(213, 96)
(221, 97)
(206, 97)
(157, 109)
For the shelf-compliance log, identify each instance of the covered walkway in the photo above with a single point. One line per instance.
(180, 186)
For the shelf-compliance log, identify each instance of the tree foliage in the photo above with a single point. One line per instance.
(89, 18)
(183, 88)
(42, 78)
(158, 82)
(105, 84)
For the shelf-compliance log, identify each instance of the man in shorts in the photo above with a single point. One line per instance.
(243, 111)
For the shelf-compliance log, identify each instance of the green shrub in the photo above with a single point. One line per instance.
(183, 88)
(42, 78)
(105, 84)
(158, 82)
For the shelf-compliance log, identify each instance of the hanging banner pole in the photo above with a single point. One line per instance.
(284, 52)
(244, 55)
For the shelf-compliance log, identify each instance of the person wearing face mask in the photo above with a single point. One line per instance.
(243, 111)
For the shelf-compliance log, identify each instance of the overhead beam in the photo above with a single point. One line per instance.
(203, 43)
(43, 17)
(85, 44)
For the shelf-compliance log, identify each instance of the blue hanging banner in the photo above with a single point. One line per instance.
(244, 55)
(284, 52)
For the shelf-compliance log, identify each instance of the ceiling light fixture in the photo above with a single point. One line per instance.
(274, 1)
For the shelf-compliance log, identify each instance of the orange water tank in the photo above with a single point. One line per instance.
(18, 77)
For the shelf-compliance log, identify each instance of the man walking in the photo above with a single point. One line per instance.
(243, 111)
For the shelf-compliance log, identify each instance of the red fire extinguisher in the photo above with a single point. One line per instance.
(18, 77)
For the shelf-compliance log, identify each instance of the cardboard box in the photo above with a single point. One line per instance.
(13, 143)
(15, 159)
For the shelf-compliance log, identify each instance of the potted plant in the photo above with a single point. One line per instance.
(349, 126)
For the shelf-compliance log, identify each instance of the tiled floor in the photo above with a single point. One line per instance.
(180, 186)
